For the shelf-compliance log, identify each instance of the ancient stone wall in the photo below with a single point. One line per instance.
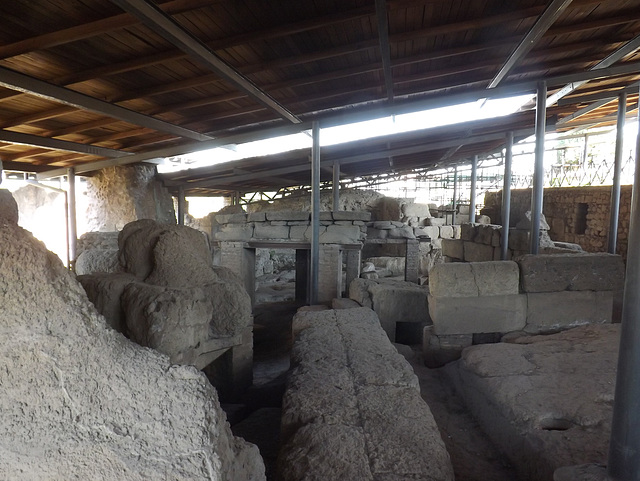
(119, 195)
(341, 227)
(579, 215)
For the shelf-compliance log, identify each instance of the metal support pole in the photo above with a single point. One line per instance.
(315, 213)
(506, 198)
(474, 179)
(614, 210)
(624, 446)
(182, 204)
(537, 189)
(336, 186)
(73, 230)
(455, 194)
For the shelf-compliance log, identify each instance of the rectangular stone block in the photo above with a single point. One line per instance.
(288, 215)
(470, 315)
(421, 232)
(571, 272)
(235, 232)
(519, 240)
(452, 280)
(468, 232)
(550, 311)
(326, 216)
(496, 278)
(231, 218)
(456, 231)
(446, 232)
(340, 234)
(488, 234)
(416, 210)
(435, 221)
(474, 279)
(256, 217)
(453, 248)
(263, 231)
(357, 215)
(477, 252)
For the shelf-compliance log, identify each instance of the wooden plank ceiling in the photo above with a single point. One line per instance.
(90, 83)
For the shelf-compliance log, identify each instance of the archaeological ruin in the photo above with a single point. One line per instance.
(383, 240)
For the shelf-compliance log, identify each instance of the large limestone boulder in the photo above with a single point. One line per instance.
(177, 321)
(104, 290)
(8, 208)
(122, 194)
(171, 297)
(166, 255)
(80, 401)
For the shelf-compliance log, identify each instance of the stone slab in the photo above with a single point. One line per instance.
(474, 252)
(571, 272)
(468, 231)
(446, 232)
(340, 234)
(551, 311)
(325, 452)
(352, 215)
(470, 315)
(453, 248)
(264, 231)
(235, 232)
(454, 279)
(257, 217)
(343, 303)
(398, 302)
(416, 210)
(231, 218)
(410, 447)
(469, 279)
(435, 221)
(287, 215)
(545, 401)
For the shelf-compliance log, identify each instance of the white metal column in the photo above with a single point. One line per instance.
(315, 214)
(537, 189)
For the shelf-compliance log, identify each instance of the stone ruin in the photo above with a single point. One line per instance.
(169, 296)
(81, 401)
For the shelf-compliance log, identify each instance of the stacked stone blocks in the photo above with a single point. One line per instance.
(340, 227)
(535, 294)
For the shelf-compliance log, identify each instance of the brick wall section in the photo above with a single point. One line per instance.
(563, 209)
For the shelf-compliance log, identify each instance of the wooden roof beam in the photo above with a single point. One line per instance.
(55, 144)
(168, 28)
(236, 95)
(628, 48)
(24, 83)
(90, 29)
(385, 50)
(542, 24)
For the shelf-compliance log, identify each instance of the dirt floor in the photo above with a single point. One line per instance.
(473, 456)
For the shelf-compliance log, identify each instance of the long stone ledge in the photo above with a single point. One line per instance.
(352, 408)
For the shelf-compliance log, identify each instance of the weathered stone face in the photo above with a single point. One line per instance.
(572, 272)
(119, 195)
(82, 402)
(8, 208)
(352, 408)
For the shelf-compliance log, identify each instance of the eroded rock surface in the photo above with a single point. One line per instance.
(352, 409)
(79, 401)
(546, 401)
(171, 297)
